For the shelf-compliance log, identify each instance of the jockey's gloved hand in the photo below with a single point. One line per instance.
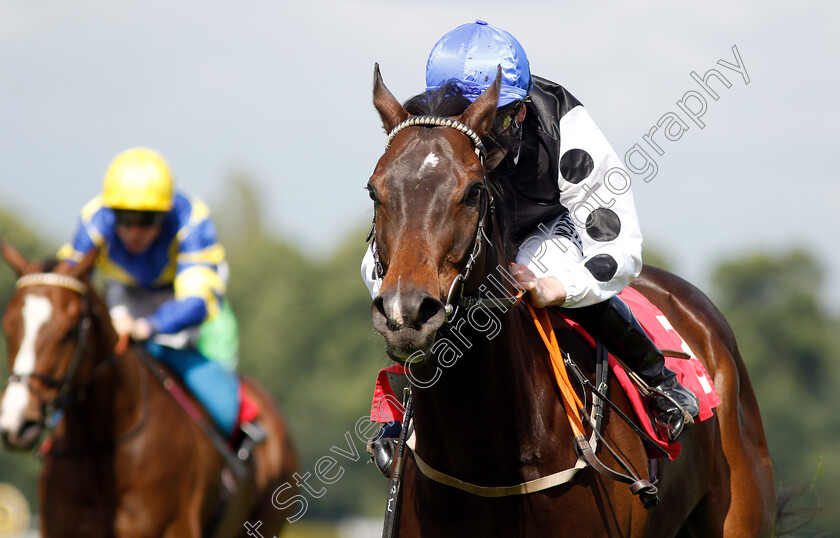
(122, 321)
(125, 325)
(141, 330)
(546, 291)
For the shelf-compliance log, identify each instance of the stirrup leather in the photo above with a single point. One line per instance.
(253, 435)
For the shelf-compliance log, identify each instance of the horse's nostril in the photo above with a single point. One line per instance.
(28, 435)
(381, 317)
(379, 307)
(396, 312)
(429, 308)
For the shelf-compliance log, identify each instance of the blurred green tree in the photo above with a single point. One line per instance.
(789, 341)
(658, 257)
(306, 335)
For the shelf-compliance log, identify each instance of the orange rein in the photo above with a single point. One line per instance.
(571, 402)
(122, 345)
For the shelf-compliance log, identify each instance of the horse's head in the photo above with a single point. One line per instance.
(430, 194)
(45, 330)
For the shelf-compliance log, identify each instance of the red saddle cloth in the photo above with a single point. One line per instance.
(248, 407)
(691, 373)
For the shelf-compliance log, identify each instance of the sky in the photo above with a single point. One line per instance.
(281, 91)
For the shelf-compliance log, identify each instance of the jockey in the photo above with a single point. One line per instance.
(566, 202)
(165, 277)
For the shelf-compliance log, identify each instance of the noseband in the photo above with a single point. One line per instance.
(462, 292)
(64, 384)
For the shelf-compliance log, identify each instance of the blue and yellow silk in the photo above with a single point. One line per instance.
(184, 257)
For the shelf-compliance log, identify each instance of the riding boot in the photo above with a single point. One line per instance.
(671, 405)
(382, 447)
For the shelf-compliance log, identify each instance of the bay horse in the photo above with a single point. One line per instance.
(126, 459)
(488, 411)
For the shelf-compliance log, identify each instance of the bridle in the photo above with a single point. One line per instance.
(463, 292)
(66, 394)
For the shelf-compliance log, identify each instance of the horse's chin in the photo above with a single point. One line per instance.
(409, 357)
(25, 440)
(408, 348)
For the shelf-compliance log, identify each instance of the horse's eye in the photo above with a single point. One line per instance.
(70, 335)
(372, 193)
(473, 195)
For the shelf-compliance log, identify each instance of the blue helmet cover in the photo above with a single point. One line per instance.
(471, 54)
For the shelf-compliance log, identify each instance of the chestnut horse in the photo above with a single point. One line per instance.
(126, 459)
(487, 409)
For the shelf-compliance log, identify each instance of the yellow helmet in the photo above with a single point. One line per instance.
(138, 179)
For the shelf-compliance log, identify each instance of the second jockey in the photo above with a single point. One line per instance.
(165, 276)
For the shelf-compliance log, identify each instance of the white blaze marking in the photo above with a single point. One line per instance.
(397, 306)
(36, 312)
(430, 161)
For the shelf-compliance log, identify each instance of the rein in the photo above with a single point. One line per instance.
(574, 409)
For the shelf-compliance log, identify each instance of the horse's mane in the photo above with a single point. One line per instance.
(48, 265)
(446, 101)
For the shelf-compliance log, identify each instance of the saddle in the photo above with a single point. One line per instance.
(235, 449)
(387, 398)
(678, 357)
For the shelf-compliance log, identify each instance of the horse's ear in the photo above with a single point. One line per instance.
(481, 114)
(82, 269)
(15, 259)
(390, 110)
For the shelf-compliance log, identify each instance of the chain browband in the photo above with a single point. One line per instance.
(52, 279)
(438, 121)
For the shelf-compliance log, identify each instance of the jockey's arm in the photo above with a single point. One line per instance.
(603, 212)
(199, 291)
(178, 314)
(200, 276)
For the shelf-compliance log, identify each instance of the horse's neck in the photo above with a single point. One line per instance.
(496, 399)
(111, 405)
